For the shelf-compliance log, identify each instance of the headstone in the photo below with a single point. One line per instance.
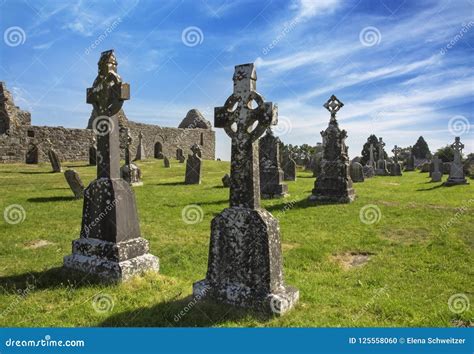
(110, 246)
(245, 260)
(140, 155)
(446, 168)
(129, 171)
(334, 184)
(425, 167)
(93, 153)
(226, 180)
(55, 162)
(289, 168)
(436, 174)
(180, 155)
(271, 174)
(456, 173)
(166, 162)
(371, 161)
(193, 166)
(357, 172)
(368, 171)
(75, 183)
(410, 165)
(396, 168)
(381, 169)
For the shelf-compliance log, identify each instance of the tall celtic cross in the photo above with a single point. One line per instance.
(396, 151)
(244, 124)
(381, 146)
(457, 147)
(333, 105)
(106, 96)
(371, 152)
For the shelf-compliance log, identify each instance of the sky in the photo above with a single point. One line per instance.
(401, 68)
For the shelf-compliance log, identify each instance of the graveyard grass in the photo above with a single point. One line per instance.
(414, 264)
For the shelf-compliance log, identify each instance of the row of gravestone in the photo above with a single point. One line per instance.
(245, 259)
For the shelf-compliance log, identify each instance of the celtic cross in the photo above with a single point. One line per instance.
(333, 105)
(244, 124)
(106, 96)
(381, 146)
(396, 150)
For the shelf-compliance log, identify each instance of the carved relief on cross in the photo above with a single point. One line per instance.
(244, 124)
(396, 150)
(106, 96)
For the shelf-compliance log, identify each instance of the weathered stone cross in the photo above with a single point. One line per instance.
(396, 150)
(106, 96)
(333, 105)
(238, 118)
(381, 146)
(457, 146)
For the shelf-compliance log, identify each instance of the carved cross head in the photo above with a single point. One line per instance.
(333, 105)
(457, 145)
(245, 114)
(196, 149)
(108, 92)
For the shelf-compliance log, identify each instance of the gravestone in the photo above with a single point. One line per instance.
(180, 155)
(381, 169)
(110, 246)
(334, 184)
(93, 153)
(140, 155)
(245, 260)
(410, 165)
(166, 162)
(226, 180)
(289, 168)
(318, 158)
(357, 172)
(456, 172)
(55, 162)
(271, 174)
(396, 168)
(182, 159)
(129, 171)
(368, 171)
(193, 166)
(436, 174)
(75, 183)
(425, 167)
(371, 161)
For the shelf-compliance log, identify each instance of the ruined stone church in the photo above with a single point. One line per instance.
(22, 142)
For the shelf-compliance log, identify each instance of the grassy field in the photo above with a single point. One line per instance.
(401, 270)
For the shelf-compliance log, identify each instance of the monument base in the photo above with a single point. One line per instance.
(455, 181)
(332, 199)
(110, 261)
(275, 191)
(245, 263)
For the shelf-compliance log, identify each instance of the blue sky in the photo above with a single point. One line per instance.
(402, 68)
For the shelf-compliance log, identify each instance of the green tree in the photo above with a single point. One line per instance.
(421, 149)
(446, 154)
(372, 139)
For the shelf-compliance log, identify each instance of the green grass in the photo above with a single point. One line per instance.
(415, 266)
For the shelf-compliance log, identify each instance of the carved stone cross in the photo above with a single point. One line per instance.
(333, 105)
(106, 96)
(381, 146)
(457, 147)
(238, 118)
(396, 150)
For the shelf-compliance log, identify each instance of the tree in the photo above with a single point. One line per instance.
(446, 154)
(421, 149)
(372, 139)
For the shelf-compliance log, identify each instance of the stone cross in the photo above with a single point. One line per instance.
(396, 150)
(106, 96)
(381, 146)
(457, 147)
(237, 117)
(371, 154)
(333, 105)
